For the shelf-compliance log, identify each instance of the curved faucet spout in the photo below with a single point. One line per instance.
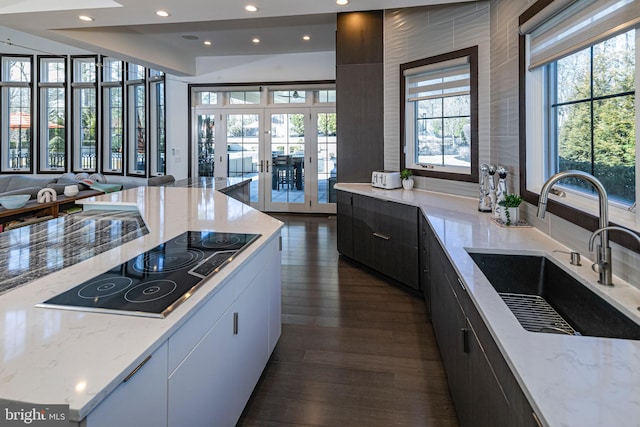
(602, 193)
(611, 227)
(604, 251)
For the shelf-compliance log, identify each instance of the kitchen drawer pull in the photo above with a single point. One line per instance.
(381, 236)
(235, 323)
(465, 340)
(132, 373)
(461, 284)
(536, 419)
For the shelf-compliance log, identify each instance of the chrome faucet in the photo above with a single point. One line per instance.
(603, 264)
(596, 267)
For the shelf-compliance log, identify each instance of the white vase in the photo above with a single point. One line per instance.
(407, 184)
(513, 218)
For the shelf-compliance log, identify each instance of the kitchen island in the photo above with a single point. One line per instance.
(199, 363)
(567, 380)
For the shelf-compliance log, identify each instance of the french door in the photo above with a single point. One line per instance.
(288, 153)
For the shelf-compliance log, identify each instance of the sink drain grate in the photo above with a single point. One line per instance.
(536, 315)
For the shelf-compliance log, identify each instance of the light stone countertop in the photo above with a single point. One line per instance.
(53, 356)
(569, 380)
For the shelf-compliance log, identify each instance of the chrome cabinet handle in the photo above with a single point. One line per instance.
(135, 371)
(381, 236)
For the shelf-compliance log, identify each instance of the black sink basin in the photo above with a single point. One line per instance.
(525, 282)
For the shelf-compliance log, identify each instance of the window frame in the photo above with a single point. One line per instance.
(131, 123)
(5, 87)
(107, 85)
(431, 170)
(43, 119)
(77, 138)
(157, 124)
(579, 209)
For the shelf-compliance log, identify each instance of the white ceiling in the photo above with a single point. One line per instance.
(130, 29)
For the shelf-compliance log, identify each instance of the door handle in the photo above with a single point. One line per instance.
(266, 162)
(261, 166)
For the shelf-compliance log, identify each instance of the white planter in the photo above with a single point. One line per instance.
(514, 215)
(407, 184)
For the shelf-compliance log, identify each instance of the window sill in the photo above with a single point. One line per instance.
(618, 215)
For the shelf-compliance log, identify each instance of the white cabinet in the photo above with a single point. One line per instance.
(199, 389)
(205, 372)
(214, 381)
(140, 400)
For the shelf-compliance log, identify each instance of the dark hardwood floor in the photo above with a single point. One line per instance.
(355, 350)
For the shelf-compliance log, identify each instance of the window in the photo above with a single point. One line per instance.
(326, 96)
(592, 116)
(439, 114)
(157, 137)
(112, 114)
(289, 96)
(85, 112)
(579, 80)
(17, 127)
(53, 114)
(208, 98)
(137, 120)
(247, 97)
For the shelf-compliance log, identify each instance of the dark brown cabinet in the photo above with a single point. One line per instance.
(483, 389)
(383, 236)
(423, 258)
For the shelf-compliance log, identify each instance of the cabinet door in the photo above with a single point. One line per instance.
(141, 400)
(250, 341)
(199, 388)
(425, 275)
(396, 221)
(364, 219)
(345, 223)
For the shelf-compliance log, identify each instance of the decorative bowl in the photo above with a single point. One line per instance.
(15, 201)
(71, 190)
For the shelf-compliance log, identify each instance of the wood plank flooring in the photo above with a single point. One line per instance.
(355, 350)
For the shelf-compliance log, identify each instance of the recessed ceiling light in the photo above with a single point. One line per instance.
(306, 38)
(250, 8)
(85, 18)
(162, 13)
(207, 43)
(256, 40)
(342, 2)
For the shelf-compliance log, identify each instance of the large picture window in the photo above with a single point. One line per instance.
(16, 124)
(439, 115)
(157, 129)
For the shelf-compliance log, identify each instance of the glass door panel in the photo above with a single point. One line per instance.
(243, 149)
(287, 161)
(206, 144)
(326, 157)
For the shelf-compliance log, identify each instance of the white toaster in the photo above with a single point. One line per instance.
(386, 179)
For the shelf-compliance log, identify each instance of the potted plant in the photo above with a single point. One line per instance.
(511, 209)
(407, 179)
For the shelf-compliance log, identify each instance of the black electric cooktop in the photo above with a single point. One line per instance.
(154, 283)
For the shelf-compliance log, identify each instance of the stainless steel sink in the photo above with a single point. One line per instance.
(545, 298)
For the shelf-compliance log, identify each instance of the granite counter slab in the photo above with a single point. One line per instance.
(34, 251)
(569, 380)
